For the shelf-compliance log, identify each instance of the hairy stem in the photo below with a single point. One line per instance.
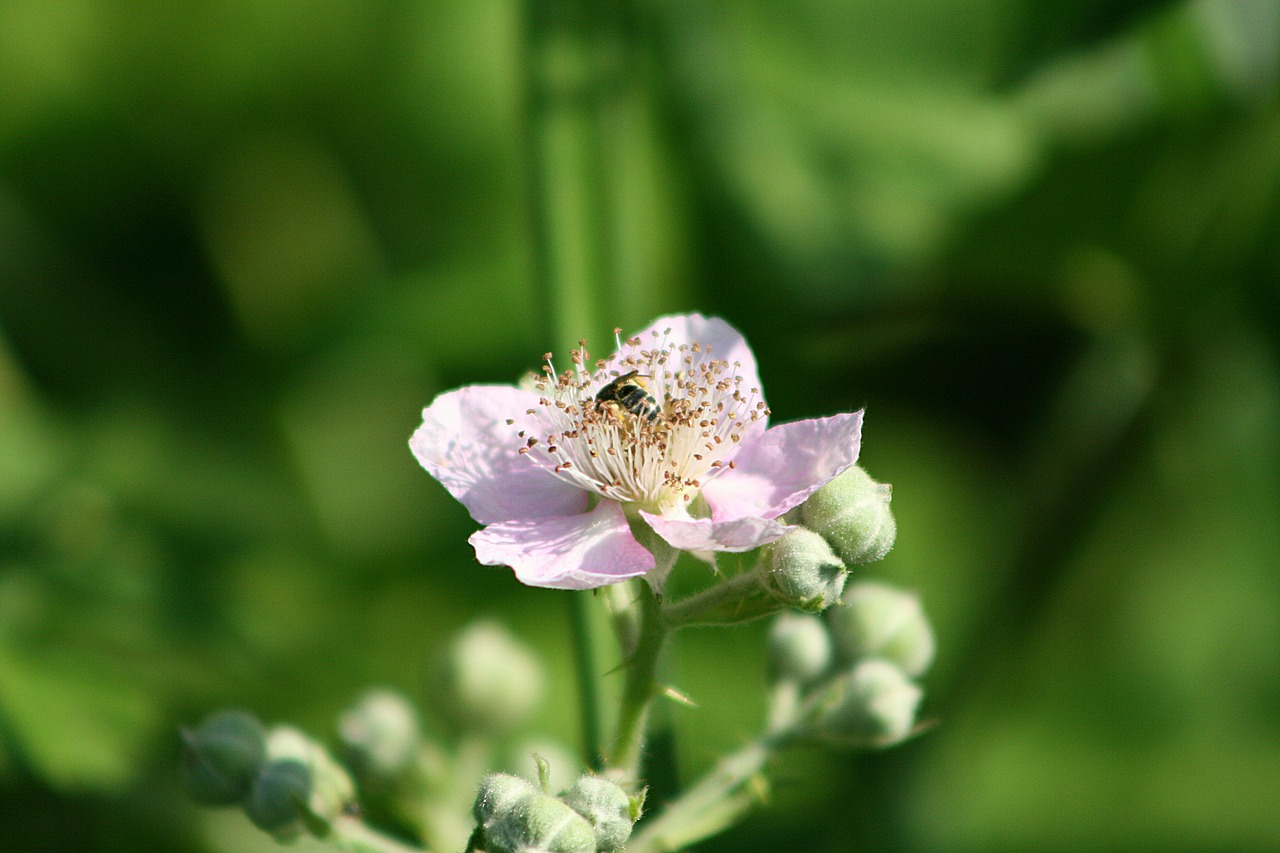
(715, 803)
(640, 685)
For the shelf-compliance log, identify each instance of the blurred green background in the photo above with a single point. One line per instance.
(243, 243)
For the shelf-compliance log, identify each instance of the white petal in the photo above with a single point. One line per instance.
(724, 342)
(568, 552)
(704, 534)
(779, 469)
(466, 443)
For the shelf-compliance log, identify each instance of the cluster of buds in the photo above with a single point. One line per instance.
(845, 523)
(848, 676)
(513, 815)
(483, 688)
(287, 784)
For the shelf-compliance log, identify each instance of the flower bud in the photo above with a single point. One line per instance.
(804, 572)
(606, 807)
(487, 681)
(799, 648)
(278, 798)
(381, 733)
(516, 817)
(878, 620)
(500, 792)
(852, 513)
(874, 704)
(328, 790)
(222, 756)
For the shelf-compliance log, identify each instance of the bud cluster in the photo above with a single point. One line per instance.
(851, 670)
(286, 783)
(513, 815)
(846, 522)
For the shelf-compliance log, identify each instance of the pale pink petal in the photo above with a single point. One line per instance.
(779, 469)
(568, 552)
(704, 534)
(721, 342)
(466, 443)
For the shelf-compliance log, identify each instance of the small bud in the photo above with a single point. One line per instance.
(329, 789)
(278, 798)
(516, 817)
(381, 733)
(487, 681)
(606, 807)
(852, 513)
(499, 793)
(878, 620)
(874, 704)
(222, 756)
(804, 572)
(799, 648)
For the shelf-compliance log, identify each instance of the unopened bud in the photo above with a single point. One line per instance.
(499, 793)
(381, 733)
(608, 808)
(799, 648)
(278, 798)
(487, 681)
(874, 704)
(222, 756)
(879, 620)
(804, 572)
(516, 817)
(329, 788)
(852, 513)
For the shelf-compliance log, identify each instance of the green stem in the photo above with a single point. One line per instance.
(352, 834)
(580, 629)
(566, 213)
(712, 805)
(640, 685)
(739, 599)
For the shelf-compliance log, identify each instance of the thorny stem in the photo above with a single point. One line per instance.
(714, 803)
(640, 685)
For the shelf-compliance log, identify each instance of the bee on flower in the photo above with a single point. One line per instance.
(667, 440)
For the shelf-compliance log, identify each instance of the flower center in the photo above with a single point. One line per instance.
(645, 426)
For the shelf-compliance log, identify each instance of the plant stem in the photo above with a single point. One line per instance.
(641, 683)
(739, 599)
(712, 805)
(584, 661)
(352, 834)
(566, 215)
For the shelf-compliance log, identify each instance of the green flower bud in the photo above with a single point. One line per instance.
(852, 513)
(799, 648)
(222, 756)
(878, 620)
(606, 807)
(516, 817)
(487, 681)
(874, 704)
(277, 800)
(381, 733)
(804, 572)
(499, 793)
(329, 789)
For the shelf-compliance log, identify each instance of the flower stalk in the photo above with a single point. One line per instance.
(640, 684)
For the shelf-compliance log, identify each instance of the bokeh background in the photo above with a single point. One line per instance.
(243, 243)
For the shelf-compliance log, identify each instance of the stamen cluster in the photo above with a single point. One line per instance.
(660, 463)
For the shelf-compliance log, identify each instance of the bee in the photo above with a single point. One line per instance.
(632, 393)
